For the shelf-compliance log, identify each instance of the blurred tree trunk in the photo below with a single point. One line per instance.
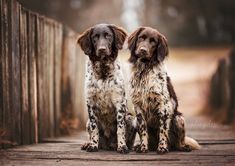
(222, 89)
(231, 109)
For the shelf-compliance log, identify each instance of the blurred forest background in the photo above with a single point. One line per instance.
(184, 22)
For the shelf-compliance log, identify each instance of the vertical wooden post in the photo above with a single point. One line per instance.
(5, 74)
(72, 83)
(15, 84)
(24, 77)
(1, 72)
(57, 75)
(40, 83)
(50, 46)
(31, 27)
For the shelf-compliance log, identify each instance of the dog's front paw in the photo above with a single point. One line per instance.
(162, 150)
(85, 145)
(89, 147)
(123, 149)
(140, 148)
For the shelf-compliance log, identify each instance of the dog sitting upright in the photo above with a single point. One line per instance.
(109, 124)
(159, 124)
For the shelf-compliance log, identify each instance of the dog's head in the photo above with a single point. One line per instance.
(148, 45)
(102, 42)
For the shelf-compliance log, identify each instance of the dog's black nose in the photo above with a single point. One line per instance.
(101, 49)
(143, 51)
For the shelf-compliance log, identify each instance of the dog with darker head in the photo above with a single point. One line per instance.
(159, 124)
(109, 125)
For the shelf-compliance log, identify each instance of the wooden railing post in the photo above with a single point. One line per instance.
(36, 56)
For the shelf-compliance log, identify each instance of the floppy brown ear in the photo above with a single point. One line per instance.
(162, 50)
(120, 35)
(84, 40)
(133, 37)
(132, 43)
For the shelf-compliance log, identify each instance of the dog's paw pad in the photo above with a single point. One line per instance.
(162, 150)
(123, 149)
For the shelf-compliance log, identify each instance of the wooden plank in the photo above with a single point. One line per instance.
(51, 77)
(221, 152)
(1, 71)
(46, 93)
(24, 78)
(113, 163)
(31, 27)
(57, 75)
(44, 70)
(67, 108)
(40, 85)
(80, 85)
(5, 77)
(72, 83)
(14, 57)
(71, 152)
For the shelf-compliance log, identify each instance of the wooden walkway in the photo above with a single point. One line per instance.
(217, 141)
(218, 148)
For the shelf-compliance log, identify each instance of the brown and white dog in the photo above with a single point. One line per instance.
(159, 124)
(109, 125)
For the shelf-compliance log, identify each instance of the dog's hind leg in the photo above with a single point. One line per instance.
(180, 124)
(177, 138)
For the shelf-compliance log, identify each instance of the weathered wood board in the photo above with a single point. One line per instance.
(219, 150)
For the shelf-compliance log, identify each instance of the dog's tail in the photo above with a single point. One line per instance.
(192, 143)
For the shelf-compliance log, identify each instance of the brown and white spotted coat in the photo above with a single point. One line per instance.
(109, 125)
(159, 124)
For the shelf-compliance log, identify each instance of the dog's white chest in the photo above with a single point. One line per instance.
(104, 94)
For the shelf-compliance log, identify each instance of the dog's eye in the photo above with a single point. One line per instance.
(107, 35)
(96, 36)
(143, 37)
(153, 41)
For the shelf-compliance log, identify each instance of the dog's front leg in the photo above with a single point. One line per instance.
(142, 130)
(121, 129)
(93, 130)
(165, 116)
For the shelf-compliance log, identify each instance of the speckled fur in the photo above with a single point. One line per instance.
(159, 124)
(106, 103)
(109, 125)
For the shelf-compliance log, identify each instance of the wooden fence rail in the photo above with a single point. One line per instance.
(41, 77)
(222, 89)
